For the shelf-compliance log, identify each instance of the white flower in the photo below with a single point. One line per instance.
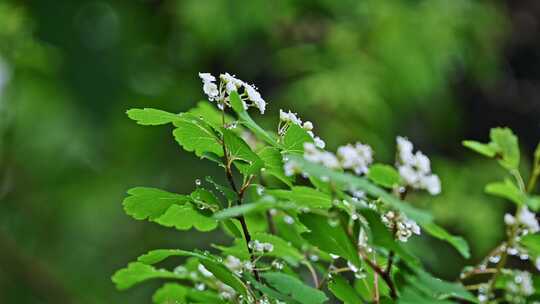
(403, 226)
(228, 78)
(290, 168)
(207, 77)
(522, 283)
(509, 219)
(405, 149)
(283, 116)
(319, 142)
(209, 87)
(431, 183)
(409, 175)
(205, 272)
(415, 169)
(308, 126)
(528, 219)
(357, 157)
(233, 263)
(255, 97)
(537, 263)
(325, 158)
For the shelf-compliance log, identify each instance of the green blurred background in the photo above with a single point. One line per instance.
(436, 71)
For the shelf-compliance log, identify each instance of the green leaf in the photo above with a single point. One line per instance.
(304, 197)
(183, 217)
(150, 203)
(282, 249)
(384, 175)
(295, 288)
(203, 197)
(412, 296)
(507, 147)
(506, 190)
(157, 255)
(215, 267)
(533, 202)
(137, 272)
(194, 135)
(152, 117)
(343, 291)
(329, 237)
(485, 149)
(238, 149)
(532, 243)
(246, 208)
(273, 162)
(171, 293)
(210, 114)
(270, 292)
(227, 192)
(294, 139)
(456, 241)
(246, 120)
(437, 288)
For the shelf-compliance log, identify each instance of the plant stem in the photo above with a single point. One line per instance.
(385, 276)
(240, 194)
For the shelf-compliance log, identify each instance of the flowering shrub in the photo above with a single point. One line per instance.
(308, 225)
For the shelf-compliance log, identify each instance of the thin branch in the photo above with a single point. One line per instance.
(385, 276)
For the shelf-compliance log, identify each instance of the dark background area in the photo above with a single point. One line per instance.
(436, 71)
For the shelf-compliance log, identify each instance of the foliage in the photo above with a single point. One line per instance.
(342, 214)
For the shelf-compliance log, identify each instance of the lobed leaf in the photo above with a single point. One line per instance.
(294, 139)
(137, 272)
(481, 148)
(145, 202)
(152, 117)
(194, 135)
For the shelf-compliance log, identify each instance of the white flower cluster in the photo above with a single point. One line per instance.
(229, 83)
(404, 227)
(522, 284)
(260, 247)
(415, 168)
(316, 155)
(356, 157)
(525, 218)
(287, 118)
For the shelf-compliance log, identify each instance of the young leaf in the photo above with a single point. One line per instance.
(294, 139)
(194, 135)
(507, 146)
(150, 203)
(384, 175)
(137, 272)
(485, 149)
(246, 120)
(295, 288)
(183, 217)
(304, 197)
(329, 237)
(506, 190)
(152, 117)
(343, 291)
